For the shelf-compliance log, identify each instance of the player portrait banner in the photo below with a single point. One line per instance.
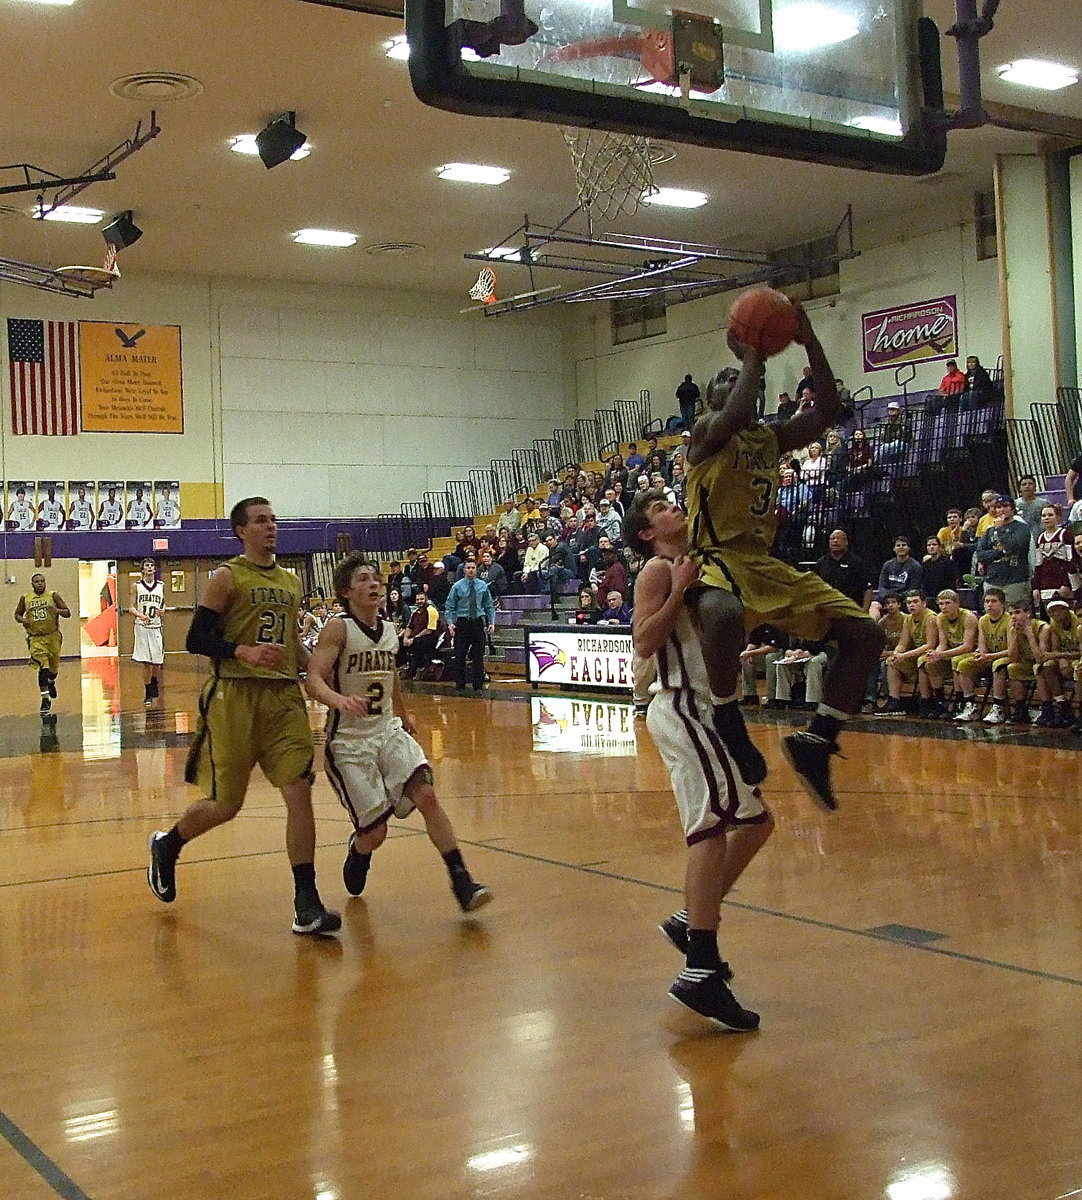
(167, 504)
(82, 504)
(130, 378)
(110, 505)
(598, 657)
(52, 505)
(140, 514)
(21, 506)
(913, 333)
(43, 373)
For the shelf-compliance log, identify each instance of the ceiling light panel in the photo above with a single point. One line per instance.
(1034, 73)
(324, 237)
(676, 198)
(72, 213)
(473, 173)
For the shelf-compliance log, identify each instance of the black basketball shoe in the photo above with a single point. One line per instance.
(675, 929)
(706, 993)
(470, 895)
(310, 917)
(162, 871)
(809, 756)
(355, 869)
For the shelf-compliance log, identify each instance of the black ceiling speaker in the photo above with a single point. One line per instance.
(122, 231)
(279, 140)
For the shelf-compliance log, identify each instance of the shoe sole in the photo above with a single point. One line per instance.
(720, 1021)
(329, 922)
(821, 801)
(478, 900)
(150, 872)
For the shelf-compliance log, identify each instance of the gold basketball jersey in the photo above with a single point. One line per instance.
(995, 633)
(262, 611)
(732, 495)
(40, 620)
(918, 628)
(955, 630)
(1066, 639)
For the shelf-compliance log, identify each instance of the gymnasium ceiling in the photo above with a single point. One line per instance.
(209, 212)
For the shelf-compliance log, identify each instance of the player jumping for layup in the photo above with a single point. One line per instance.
(732, 494)
(372, 759)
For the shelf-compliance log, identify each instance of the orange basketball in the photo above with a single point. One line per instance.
(765, 320)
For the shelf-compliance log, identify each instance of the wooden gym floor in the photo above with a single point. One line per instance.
(917, 960)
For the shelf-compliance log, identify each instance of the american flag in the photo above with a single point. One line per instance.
(43, 366)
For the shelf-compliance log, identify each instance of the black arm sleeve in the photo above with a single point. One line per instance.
(205, 635)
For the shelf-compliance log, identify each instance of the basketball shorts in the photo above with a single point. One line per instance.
(710, 794)
(44, 651)
(908, 668)
(245, 723)
(1020, 672)
(148, 645)
(370, 774)
(967, 664)
(774, 593)
(941, 670)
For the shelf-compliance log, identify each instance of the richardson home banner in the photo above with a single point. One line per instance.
(916, 333)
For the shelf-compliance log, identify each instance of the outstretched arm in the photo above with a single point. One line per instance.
(811, 424)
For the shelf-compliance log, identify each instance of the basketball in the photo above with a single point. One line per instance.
(765, 320)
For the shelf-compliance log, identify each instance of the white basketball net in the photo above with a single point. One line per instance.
(485, 287)
(614, 172)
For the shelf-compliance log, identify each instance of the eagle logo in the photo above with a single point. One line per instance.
(547, 654)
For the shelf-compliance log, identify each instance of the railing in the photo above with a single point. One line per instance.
(569, 444)
(589, 440)
(530, 466)
(464, 504)
(1070, 402)
(483, 480)
(509, 478)
(548, 454)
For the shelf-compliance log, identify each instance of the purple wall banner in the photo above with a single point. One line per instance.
(914, 333)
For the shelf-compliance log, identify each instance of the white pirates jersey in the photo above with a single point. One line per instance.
(168, 513)
(139, 513)
(111, 514)
(680, 663)
(22, 514)
(150, 602)
(52, 514)
(365, 668)
(82, 514)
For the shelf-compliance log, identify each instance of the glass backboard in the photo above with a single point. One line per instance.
(834, 81)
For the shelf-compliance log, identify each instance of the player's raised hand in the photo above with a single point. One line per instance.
(685, 571)
(804, 332)
(739, 348)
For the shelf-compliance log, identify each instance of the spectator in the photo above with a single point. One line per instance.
(901, 574)
(653, 448)
(551, 522)
(614, 578)
(589, 555)
(793, 498)
(860, 463)
(894, 435)
(847, 412)
(844, 570)
(939, 573)
(679, 484)
(468, 555)
(950, 536)
(787, 407)
(634, 459)
(494, 575)
(803, 659)
(965, 542)
(1057, 571)
(615, 497)
(978, 385)
(555, 496)
(608, 521)
(508, 556)
(836, 457)
(467, 540)
(394, 609)
(422, 635)
(557, 569)
(1030, 503)
(470, 616)
(588, 612)
(510, 519)
(616, 472)
(439, 586)
(535, 558)
(660, 484)
(421, 573)
(813, 470)
(1070, 480)
(687, 396)
(954, 382)
(616, 611)
(396, 577)
(988, 517)
(805, 380)
(768, 643)
(1002, 554)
